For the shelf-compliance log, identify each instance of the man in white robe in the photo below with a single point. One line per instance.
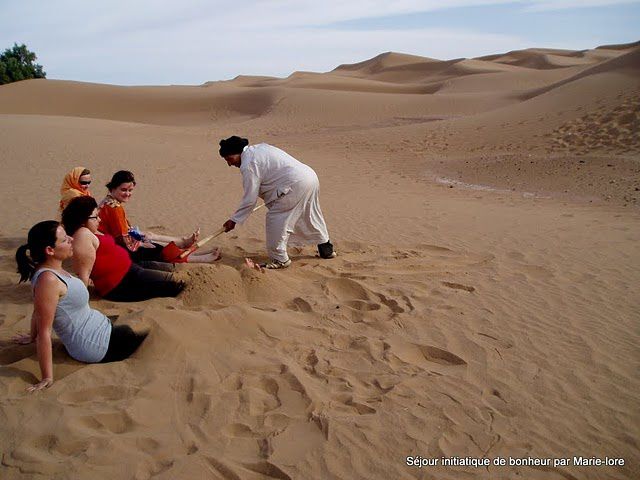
(289, 189)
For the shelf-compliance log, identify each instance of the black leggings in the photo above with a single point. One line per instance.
(143, 283)
(143, 254)
(123, 342)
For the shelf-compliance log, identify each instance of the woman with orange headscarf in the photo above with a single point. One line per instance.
(75, 184)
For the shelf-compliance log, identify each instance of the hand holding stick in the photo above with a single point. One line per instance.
(222, 230)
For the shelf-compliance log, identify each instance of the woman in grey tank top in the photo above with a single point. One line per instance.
(61, 303)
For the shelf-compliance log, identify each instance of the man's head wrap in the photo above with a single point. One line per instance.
(232, 145)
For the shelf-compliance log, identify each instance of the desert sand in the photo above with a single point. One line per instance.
(484, 301)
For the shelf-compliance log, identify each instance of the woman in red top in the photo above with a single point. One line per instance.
(96, 256)
(113, 220)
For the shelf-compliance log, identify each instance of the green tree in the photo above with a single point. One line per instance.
(17, 64)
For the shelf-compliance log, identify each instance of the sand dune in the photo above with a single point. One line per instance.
(548, 58)
(621, 46)
(627, 64)
(385, 61)
(483, 302)
(155, 105)
(540, 59)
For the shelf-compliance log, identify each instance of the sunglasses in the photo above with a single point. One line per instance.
(85, 182)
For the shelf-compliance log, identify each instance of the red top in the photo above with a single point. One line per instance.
(111, 265)
(113, 218)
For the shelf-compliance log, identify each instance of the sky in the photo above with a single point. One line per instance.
(190, 42)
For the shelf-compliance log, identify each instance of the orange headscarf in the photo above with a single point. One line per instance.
(71, 188)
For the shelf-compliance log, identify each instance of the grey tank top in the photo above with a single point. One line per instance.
(85, 332)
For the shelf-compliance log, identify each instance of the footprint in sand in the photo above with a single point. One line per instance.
(391, 304)
(114, 422)
(269, 390)
(264, 308)
(147, 445)
(459, 286)
(240, 430)
(386, 383)
(416, 354)
(190, 404)
(362, 306)
(277, 421)
(360, 408)
(438, 355)
(501, 343)
(68, 447)
(299, 304)
(345, 289)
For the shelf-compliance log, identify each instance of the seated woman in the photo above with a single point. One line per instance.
(75, 184)
(61, 302)
(96, 256)
(147, 246)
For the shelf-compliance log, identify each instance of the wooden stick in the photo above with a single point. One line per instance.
(200, 243)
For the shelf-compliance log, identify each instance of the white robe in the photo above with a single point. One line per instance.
(290, 189)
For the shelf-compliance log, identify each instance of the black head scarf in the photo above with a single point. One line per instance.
(232, 145)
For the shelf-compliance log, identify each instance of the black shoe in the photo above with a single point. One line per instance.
(326, 250)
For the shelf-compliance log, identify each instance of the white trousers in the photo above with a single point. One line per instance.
(296, 218)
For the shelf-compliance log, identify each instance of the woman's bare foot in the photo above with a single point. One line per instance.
(186, 242)
(210, 257)
(255, 266)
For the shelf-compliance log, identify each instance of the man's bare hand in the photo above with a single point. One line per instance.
(229, 225)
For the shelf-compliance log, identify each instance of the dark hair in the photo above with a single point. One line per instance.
(41, 236)
(120, 177)
(232, 145)
(86, 171)
(77, 213)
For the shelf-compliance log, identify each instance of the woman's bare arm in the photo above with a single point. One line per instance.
(47, 293)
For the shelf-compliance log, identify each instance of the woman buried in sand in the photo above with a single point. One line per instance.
(96, 256)
(75, 184)
(144, 246)
(61, 302)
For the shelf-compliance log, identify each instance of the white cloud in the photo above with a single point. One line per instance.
(550, 5)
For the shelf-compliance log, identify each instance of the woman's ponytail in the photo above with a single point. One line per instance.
(26, 266)
(41, 236)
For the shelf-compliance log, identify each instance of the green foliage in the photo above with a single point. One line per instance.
(17, 64)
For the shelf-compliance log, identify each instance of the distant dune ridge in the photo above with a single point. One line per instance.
(483, 302)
